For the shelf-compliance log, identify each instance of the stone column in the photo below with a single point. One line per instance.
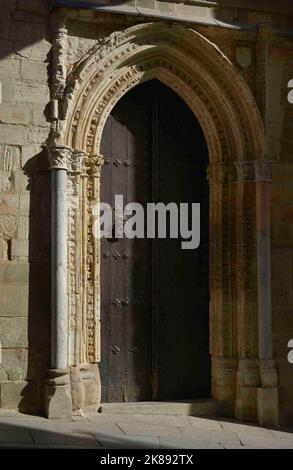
(267, 396)
(246, 294)
(58, 391)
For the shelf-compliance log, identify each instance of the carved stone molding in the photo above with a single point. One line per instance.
(184, 60)
(59, 157)
(220, 173)
(94, 165)
(76, 162)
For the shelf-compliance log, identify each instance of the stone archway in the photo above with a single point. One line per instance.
(206, 80)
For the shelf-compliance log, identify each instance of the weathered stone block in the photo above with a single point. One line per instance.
(31, 92)
(246, 403)
(9, 204)
(38, 135)
(13, 134)
(58, 402)
(26, 32)
(15, 273)
(23, 228)
(8, 226)
(165, 7)
(13, 332)
(10, 68)
(38, 116)
(15, 359)
(19, 248)
(34, 71)
(24, 204)
(33, 5)
(28, 152)
(5, 181)
(13, 299)
(8, 89)
(20, 181)
(35, 52)
(14, 114)
(28, 17)
(4, 29)
(7, 48)
(21, 395)
(9, 157)
(268, 407)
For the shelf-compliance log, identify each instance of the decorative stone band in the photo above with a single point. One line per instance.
(254, 170)
(219, 173)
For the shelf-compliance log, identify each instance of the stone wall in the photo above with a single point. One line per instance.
(25, 48)
(24, 203)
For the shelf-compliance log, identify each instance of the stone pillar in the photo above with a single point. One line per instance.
(221, 177)
(58, 391)
(246, 294)
(267, 395)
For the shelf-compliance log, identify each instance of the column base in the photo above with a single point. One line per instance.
(246, 403)
(268, 407)
(223, 384)
(268, 394)
(248, 380)
(58, 402)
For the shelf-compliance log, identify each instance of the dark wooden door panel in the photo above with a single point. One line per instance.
(126, 327)
(154, 310)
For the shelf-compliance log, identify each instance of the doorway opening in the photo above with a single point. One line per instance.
(154, 294)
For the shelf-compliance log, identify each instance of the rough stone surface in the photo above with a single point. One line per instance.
(27, 67)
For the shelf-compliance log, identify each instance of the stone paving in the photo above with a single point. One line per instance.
(119, 431)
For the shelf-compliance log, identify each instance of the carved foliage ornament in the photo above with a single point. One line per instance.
(64, 158)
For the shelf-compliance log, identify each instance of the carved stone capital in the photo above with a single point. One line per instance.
(59, 157)
(245, 170)
(219, 173)
(76, 162)
(263, 170)
(94, 164)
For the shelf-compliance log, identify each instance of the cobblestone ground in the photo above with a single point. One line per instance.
(113, 431)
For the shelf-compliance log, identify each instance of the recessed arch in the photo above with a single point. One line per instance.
(184, 60)
(225, 108)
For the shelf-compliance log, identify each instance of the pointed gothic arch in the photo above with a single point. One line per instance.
(223, 104)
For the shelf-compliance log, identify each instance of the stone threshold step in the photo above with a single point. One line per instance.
(206, 407)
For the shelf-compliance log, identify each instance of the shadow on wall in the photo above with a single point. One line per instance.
(39, 314)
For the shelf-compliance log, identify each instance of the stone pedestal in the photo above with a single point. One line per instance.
(58, 402)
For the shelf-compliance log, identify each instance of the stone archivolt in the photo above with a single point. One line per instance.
(214, 90)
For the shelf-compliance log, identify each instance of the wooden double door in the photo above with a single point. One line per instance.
(155, 295)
